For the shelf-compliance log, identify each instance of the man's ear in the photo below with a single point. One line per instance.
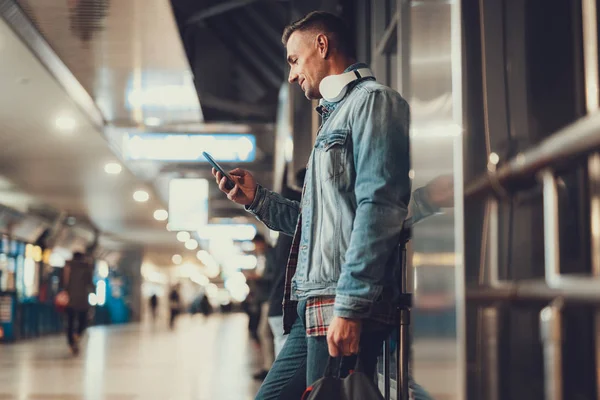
(322, 43)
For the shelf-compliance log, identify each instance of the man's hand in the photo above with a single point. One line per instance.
(440, 191)
(343, 336)
(244, 190)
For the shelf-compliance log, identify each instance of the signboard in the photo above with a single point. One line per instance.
(233, 148)
(188, 204)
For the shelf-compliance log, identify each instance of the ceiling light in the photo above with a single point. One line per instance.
(177, 259)
(101, 292)
(212, 290)
(152, 121)
(161, 215)
(200, 279)
(113, 168)
(141, 196)
(183, 236)
(103, 269)
(65, 123)
(56, 260)
(191, 244)
(211, 268)
(494, 158)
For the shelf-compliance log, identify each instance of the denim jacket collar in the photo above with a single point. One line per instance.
(325, 107)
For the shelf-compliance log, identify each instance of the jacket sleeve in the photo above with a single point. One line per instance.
(275, 211)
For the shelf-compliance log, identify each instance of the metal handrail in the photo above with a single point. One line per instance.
(576, 140)
(569, 289)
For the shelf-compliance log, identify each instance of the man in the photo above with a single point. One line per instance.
(344, 266)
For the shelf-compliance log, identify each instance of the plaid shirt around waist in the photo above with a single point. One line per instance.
(319, 310)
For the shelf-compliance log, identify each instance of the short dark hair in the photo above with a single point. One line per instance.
(259, 238)
(333, 26)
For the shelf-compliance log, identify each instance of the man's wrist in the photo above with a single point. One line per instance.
(352, 319)
(256, 204)
(350, 307)
(254, 193)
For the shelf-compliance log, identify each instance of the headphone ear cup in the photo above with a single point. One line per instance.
(333, 88)
(340, 95)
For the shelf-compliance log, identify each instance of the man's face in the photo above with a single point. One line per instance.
(307, 62)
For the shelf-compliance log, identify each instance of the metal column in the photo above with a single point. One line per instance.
(490, 315)
(550, 317)
(403, 32)
(590, 59)
(551, 337)
(551, 232)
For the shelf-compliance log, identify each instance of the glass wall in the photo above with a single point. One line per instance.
(436, 257)
(416, 48)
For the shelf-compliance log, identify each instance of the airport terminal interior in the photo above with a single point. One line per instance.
(126, 272)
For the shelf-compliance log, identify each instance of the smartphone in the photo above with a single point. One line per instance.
(230, 183)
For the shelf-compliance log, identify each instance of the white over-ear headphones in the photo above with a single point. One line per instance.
(333, 88)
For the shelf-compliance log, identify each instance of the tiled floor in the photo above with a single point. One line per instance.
(202, 359)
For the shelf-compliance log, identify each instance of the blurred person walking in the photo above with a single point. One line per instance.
(174, 305)
(78, 281)
(154, 306)
(265, 271)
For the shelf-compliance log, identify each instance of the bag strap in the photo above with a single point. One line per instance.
(334, 366)
(359, 366)
(329, 370)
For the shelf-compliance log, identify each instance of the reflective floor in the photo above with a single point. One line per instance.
(202, 359)
(435, 368)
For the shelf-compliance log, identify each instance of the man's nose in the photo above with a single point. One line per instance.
(292, 77)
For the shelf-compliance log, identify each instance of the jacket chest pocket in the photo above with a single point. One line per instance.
(330, 154)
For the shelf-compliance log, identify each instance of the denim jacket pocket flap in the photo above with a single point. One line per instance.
(326, 141)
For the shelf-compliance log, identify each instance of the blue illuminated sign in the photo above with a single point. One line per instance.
(189, 147)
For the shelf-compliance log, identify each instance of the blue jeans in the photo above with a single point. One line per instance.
(304, 358)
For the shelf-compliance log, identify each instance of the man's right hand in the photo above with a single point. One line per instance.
(244, 190)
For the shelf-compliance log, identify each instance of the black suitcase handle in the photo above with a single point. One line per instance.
(402, 339)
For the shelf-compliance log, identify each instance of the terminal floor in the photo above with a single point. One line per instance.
(203, 358)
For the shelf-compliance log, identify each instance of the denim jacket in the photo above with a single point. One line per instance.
(357, 189)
